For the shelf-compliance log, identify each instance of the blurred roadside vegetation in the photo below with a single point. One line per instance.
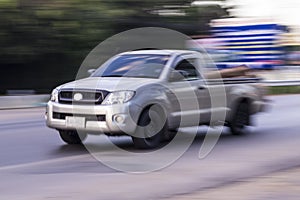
(43, 42)
(278, 90)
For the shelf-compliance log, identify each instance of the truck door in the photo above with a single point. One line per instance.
(191, 92)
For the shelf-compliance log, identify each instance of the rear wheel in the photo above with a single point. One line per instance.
(240, 121)
(72, 137)
(151, 128)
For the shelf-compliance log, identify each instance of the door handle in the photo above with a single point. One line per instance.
(201, 88)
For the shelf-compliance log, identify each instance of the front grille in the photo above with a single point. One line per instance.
(69, 96)
(63, 116)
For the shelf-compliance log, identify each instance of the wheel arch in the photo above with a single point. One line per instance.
(147, 106)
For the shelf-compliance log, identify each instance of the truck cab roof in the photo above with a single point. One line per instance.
(159, 52)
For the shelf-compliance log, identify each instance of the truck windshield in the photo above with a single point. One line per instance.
(136, 66)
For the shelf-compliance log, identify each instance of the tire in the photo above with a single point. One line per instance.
(240, 121)
(169, 135)
(72, 137)
(151, 128)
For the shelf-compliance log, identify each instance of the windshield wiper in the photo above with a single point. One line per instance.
(116, 75)
(113, 75)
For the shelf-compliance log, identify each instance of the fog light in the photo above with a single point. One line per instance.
(119, 119)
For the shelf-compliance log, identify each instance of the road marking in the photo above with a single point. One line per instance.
(51, 161)
(20, 123)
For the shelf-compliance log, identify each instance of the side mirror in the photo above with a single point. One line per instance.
(91, 71)
(176, 76)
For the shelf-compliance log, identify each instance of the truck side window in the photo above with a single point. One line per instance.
(188, 70)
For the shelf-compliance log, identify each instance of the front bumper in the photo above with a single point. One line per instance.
(128, 112)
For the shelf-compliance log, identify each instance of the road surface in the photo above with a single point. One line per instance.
(36, 164)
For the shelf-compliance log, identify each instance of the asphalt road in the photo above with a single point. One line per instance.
(36, 164)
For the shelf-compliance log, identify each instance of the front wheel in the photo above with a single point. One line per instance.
(72, 137)
(152, 126)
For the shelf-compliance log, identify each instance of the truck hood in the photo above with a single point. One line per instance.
(109, 83)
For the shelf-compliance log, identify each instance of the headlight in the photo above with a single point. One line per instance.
(54, 95)
(118, 97)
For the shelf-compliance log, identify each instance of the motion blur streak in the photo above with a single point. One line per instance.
(35, 164)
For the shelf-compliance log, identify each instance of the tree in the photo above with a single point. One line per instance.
(46, 40)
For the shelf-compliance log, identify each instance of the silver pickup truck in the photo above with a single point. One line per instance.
(148, 95)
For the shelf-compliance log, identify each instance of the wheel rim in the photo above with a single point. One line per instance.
(150, 128)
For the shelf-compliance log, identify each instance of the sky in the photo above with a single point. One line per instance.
(283, 11)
